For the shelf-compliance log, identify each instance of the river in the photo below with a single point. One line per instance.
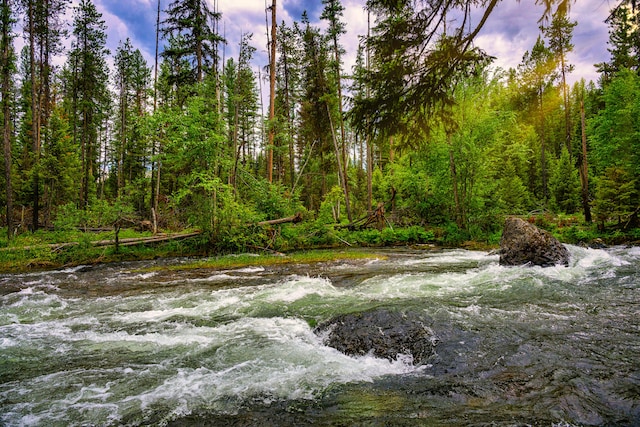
(128, 344)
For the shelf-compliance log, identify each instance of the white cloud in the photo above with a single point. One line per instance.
(513, 29)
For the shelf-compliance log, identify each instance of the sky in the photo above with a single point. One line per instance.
(511, 30)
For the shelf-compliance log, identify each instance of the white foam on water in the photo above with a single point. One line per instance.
(248, 270)
(74, 269)
(424, 284)
(297, 288)
(251, 358)
(279, 358)
(144, 276)
(457, 256)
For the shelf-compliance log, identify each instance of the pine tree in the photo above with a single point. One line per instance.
(537, 74)
(288, 80)
(559, 34)
(45, 33)
(6, 70)
(86, 90)
(563, 185)
(333, 11)
(244, 103)
(616, 147)
(190, 28)
(624, 40)
(132, 78)
(273, 40)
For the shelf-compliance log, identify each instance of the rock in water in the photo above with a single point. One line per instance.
(385, 334)
(524, 243)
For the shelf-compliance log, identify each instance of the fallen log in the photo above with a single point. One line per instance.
(140, 240)
(99, 243)
(294, 219)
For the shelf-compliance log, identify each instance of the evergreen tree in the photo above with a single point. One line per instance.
(624, 40)
(559, 34)
(563, 185)
(316, 112)
(332, 13)
(272, 45)
(132, 77)
(61, 169)
(288, 80)
(415, 60)
(7, 69)
(537, 74)
(45, 33)
(191, 30)
(616, 148)
(244, 104)
(87, 92)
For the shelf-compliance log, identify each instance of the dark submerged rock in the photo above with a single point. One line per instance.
(384, 333)
(524, 243)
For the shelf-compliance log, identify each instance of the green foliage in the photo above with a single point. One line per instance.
(616, 195)
(388, 236)
(453, 235)
(564, 186)
(578, 235)
(271, 201)
(615, 139)
(453, 146)
(331, 207)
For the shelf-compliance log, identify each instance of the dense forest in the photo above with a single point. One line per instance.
(422, 128)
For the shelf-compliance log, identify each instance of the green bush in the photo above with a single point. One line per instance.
(454, 235)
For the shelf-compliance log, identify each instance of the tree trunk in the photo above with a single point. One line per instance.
(543, 158)
(567, 116)
(341, 175)
(272, 93)
(35, 115)
(368, 136)
(584, 178)
(295, 218)
(155, 165)
(454, 182)
(6, 111)
(343, 137)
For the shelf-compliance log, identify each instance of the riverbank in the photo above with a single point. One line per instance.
(53, 249)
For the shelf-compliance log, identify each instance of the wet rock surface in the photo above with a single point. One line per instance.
(381, 332)
(524, 243)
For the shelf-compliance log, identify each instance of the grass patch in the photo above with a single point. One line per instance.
(301, 257)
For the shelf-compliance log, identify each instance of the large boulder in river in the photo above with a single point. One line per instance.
(524, 243)
(383, 333)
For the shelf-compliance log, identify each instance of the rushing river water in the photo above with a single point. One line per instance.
(127, 345)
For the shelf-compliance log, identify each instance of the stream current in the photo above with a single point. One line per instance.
(124, 344)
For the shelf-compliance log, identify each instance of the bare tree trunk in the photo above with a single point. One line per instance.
(272, 93)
